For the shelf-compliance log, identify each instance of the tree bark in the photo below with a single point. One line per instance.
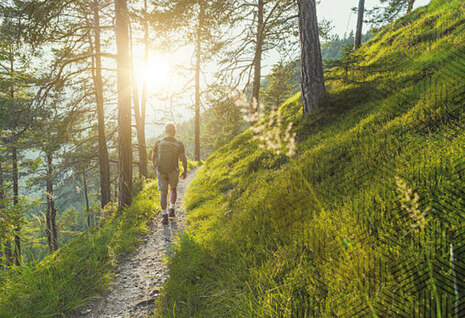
(2, 197)
(142, 142)
(52, 235)
(124, 103)
(2, 187)
(86, 197)
(116, 190)
(14, 155)
(410, 5)
(312, 79)
(104, 164)
(258, 54)
(198, 48)
(137, 114)
(358, 33)
(6, 244)
(15, 202)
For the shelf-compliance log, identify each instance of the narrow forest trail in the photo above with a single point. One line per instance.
(139, 278)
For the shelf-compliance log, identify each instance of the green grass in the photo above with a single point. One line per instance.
(84, 268)
(80, 270)
(259, 243)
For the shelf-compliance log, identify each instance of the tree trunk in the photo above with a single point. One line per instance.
(358, 33)
(6, 245)
(104, 161)
(14, 155)
(86, 197)
(124, 103)
(257, 61)
(312, 79)
(198, 48)
(410, 5)
(116, 190)
(137, 114)
(142, 142)
(2, 189)
(15, 202)
(52, 235)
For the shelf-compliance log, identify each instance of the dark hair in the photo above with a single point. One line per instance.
(170, 129)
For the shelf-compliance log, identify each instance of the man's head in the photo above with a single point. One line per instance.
(170, 130)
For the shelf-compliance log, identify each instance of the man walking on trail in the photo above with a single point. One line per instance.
(166, 155)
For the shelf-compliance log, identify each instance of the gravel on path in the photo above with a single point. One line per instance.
(140, 277)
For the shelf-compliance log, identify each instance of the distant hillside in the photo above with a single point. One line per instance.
(333, 49)
(366, 218)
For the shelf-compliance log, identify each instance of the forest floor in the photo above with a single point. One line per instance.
(140, 276)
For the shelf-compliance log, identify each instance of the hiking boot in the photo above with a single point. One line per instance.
(165, 219)
(171, 213)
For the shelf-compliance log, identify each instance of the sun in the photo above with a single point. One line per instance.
(156, 73)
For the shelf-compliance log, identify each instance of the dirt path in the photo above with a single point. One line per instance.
(139, 278)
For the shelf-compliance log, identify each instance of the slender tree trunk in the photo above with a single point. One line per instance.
(52, 234)
(312, 78)
(137, 114)
(124, 103)
(258, 54)
(86, 197)
(410, 5)
(104, 161)
(48, 219)
(2, 185)
(116, 190)
(14, 155)
(358, 33)
(6, 244)
(198, 52)
(141, 133)
(15, 202)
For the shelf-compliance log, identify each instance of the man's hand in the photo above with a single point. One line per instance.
(184, 174)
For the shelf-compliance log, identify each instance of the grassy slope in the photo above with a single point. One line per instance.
(80, 270)
(260, 244)
(69, 278)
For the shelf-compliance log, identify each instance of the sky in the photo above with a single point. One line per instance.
(340, 13)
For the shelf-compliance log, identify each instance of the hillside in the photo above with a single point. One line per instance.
(366, 218)
(81, 269)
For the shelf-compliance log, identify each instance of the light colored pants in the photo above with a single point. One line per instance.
(170, 179)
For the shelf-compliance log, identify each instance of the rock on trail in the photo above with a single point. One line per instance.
(139, 278)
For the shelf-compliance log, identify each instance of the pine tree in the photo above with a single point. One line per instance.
(199, 23)
(104, 160)
(390, 10)
(312, 77)
(124, 103)
(266, 25)
(281, 84)
(358, 33)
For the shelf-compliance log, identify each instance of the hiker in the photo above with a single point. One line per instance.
(166, 155)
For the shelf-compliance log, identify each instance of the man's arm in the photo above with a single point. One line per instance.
(155, 156)
(182, 156)
(184, 165)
